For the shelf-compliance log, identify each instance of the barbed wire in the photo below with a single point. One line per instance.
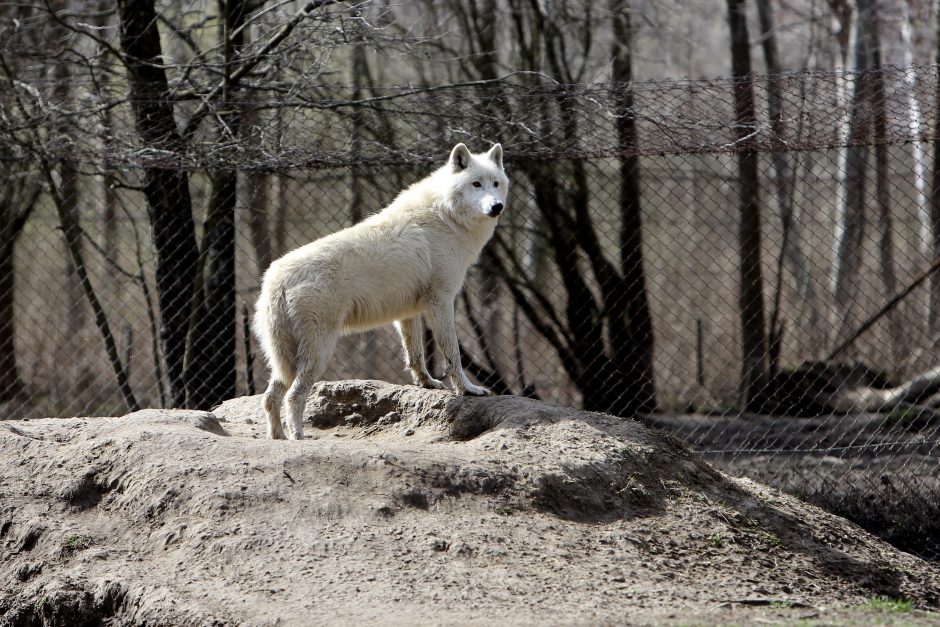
(673, 117)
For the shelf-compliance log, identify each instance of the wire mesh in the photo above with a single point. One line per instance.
(847, 234)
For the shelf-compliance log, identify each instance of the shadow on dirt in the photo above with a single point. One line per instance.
(817, 535)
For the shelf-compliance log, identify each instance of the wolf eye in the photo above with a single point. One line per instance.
(495, 183)
(477, 184)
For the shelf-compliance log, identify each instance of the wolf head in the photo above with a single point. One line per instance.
(479, 182)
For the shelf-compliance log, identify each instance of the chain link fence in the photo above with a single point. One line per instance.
(614, 282)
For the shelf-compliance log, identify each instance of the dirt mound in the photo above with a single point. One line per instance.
(408, 505)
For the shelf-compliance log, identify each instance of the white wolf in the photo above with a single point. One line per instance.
(404, 263)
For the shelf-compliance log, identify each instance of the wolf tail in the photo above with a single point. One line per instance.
(274, 331)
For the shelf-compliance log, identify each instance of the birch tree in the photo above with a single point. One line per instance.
(915, 128)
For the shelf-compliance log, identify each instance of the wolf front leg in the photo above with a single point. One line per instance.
(440, 317)
(412, 339)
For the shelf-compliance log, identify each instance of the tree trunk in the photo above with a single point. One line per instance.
(869, 399)
(918, 148)
(631, 328)
(883, 195)
(69, 193)
(935, 200)
(104, 20)
(18, 196)
(10, 382)
(259, 196)
(368, 342)
(17, 201)
(792, 247)
(169, 206)
(210, 372)
(584, 358)
(480, 20)
(886, 240)
(258, 209)
(754, 345)
(856, 172)
(212, 376)
(280, 182)
(844, 17)
(69, 345)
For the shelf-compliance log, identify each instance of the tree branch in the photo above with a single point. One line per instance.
(249, 64)
(888, 306)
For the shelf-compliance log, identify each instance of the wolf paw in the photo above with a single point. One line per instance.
(431, 384)
(475, 390)
(276, 432)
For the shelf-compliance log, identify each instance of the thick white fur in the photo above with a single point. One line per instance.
(404, 263)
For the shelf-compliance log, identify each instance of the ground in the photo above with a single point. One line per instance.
(415, 506)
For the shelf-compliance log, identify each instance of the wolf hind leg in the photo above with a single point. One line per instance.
(411, 331)
(273, 397)
(315, 354)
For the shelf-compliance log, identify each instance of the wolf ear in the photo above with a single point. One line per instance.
(459, 157)
(496, 154)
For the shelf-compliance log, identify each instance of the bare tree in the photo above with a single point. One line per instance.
(603, 338)
(19, 194)
(844, 30)
(360, 75)
(856, 169)
(195, 283)
(915, 121)
(259, 184)
(68, 219)
(210, 359)
(792, 244)
(935, 202)
(67, 188)
(18, 197)
(631, 326)
(882, 191)
(754, 344)
(169, 205)
(51, 145)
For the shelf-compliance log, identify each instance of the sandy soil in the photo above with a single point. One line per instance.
(414, 506)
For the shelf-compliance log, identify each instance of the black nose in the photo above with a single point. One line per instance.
(496, 209)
